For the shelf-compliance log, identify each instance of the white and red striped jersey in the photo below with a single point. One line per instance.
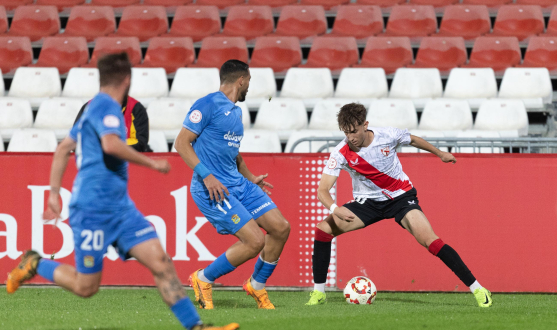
(375, 170)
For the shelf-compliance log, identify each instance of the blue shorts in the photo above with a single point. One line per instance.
(245, 202)
(93, 232)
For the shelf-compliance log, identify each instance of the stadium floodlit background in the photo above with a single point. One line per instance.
(475, 78)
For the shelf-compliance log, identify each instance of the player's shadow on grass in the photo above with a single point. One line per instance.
(233, 303)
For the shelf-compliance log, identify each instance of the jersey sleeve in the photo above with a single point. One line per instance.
(74, 131)
(334, 165)
(402, 136)
(198, 117)
(109, 120)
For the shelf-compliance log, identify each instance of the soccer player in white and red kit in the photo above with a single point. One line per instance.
(381, 191)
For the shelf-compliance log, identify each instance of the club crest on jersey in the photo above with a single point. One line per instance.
(236, 219)
(195, 116)
(332, 163)
(88, 261)
(386, 151)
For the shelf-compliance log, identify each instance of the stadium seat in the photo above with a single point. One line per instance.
(143, 22)
(467, 21)
(327, 4)
(449, 116)
(58, 114)
(443, 53)
(420, 85)
(246, 118)
(358, 21)
(82, 83)
(91, 22)
(169, 53)
(249, 21)
(272, 3)
(324, 114)
(434, 3)
(35, 22)
(412, 21)
(217, 50)
(13, 4)
(425, 135)
(310, 85)
(60, 4)
(521, 21)
(388, 53)
(334, 53)
(531, 85)
(381, 3)
(14, 52)
(158, 141)
(115, 3)
(278, 53)
(194, 83)
(307, 146)
(167, 115)
(219, 3)
(474, 85)
(256, 140)
(541, 52)
(36, 84)
(362, 84)
(392, 113)
(262, 86)
(542, 3)
(282, 115)
(3, 20)
(499, 114)
(478, 134)
(109, 45)
(497, 53)
(552, 24)
(33, 140)
(2, 87)
(15, 113)
(489, 3)
(301, 21)
(167, 3)
(148, 84)
(196, 22)
(63, 53)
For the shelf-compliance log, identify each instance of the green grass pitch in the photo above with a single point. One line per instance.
(112, 309)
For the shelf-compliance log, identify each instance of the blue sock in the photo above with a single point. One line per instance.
(257, 267)
(185, 312)
(265, 271)
(218, 268)
(46, 268)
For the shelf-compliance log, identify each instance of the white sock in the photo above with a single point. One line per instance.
(202, 277)
(475, 286)
(319, 287)
(256, 285)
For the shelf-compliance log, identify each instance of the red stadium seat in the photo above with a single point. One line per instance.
(63, 53)
(327, 4)
(143, 22)
(443, 53)
(552, 25)
(434, 3)
(279, 53)
(14, 52)
(3, 20)
(13, 4)
(541, 52)
(521, 21)
(489, 3)
(35, 22)
(302, 21)
(220, 3)
(381, 3)
(334, 53)
(358, 21)
(91, 22)
(389, 53)
(498, 53)
(217, 50)
(249, 21)
(543, 3)
(467, 21)
(110, 45)
(115, 3)
(167, 3)
(60, 4)
(272, 3)
(196, 22)
(170, 53)
(412, 21)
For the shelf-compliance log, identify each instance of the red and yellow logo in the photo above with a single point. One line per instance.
(236, 219)
(89, 261)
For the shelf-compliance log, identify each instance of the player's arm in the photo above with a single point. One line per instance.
(323, 194)
(114, 146)
(258, 180)
(420, 143)
(57, 170)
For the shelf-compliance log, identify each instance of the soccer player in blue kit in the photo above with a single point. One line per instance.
(233, 199)
(101, 211)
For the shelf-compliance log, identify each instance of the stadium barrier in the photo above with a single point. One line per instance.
(498, 211)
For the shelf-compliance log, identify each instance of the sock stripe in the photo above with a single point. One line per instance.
(435, 246)
(322, 236)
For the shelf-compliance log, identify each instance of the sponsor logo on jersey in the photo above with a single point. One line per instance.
(195, 116)
(236, 219)
(261, 208)
(88, 261)
(354, 163)
(332, 163)
(111, 121)
(227, 113)
(386, 151)
(234, 139)
(412, 202)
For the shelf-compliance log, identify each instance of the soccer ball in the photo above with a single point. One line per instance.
(360, 290)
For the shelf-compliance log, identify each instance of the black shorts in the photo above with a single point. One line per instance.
(371, 211)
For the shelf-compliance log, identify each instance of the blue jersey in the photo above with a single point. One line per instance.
(101, 183)
(218, 125)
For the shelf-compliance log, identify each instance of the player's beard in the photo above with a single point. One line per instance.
(242, 96)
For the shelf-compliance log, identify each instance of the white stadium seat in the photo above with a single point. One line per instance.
(502, 114)
(362, 84)
(532, 85)
(449, 116)
(324, 114)
(282, 115)
(420, 85)
(392, 112)
(474, 85)
(58, 114)
(194, 83)
(82, 83)
(2, 88)
(425, 135)
(168, 115)
(33, 140)
(246, 119)
(36, 84)
(157, 141)
(478, 134)
(256, 140)
(308, 84)
(148, 84)
(262, 86)
(14, 114)
(1, 145)
(311, 146)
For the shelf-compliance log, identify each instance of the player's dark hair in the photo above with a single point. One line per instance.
(114, 68)
(351, 115)
(231, 70)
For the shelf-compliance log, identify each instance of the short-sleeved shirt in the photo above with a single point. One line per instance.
(101, 183)
(375, 170)
(218, 125)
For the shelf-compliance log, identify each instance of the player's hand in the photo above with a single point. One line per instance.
(259, 180)
(447, 157)
(161, 165)
(344, 214)
(216, 189)
(53, 208)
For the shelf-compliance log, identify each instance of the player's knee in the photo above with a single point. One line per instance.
(284, 230)
(86, 291)
(256, 245)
